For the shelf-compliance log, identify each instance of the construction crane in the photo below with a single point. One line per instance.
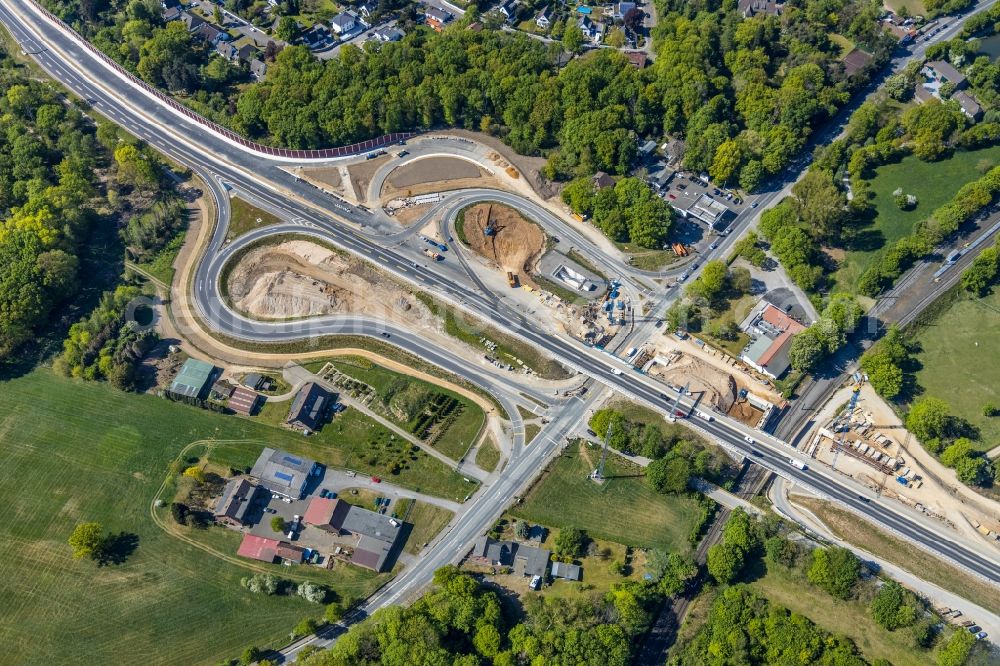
(598, 474)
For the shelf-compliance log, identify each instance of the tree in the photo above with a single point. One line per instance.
(806, 350)
(261, 584)
(671, 572)
(179, 512)
(711, 282)
(278, 524)
(287, 30)
(570, 542)
(306, 626)
(572, 38)
(780, 550)
(956, 651)
(669, 475)
(974, 471)
(87, 540)
(312, 592)
(820, 204)
(615, 38)
(251, 655)
(835, 570)
(724, 562)
(521, 529)
(218, 17)
(960, 449)
(195, 472)
(928, 418)
(982, 272)
(893, 607)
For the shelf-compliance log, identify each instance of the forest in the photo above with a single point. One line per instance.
(744, 93)
(70, 191)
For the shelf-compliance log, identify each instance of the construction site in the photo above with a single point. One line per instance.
(502, 236)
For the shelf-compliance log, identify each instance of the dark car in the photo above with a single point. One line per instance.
(591, 432)
(385, 334)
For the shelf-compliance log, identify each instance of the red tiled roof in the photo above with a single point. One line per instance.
(287, 551)
(780, 320)
(319, 511)
(365, 558)
(258, 548)
(242, 400)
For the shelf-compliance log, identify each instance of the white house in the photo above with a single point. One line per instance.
(544, 18)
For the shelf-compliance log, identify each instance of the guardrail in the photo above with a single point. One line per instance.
(323, 153)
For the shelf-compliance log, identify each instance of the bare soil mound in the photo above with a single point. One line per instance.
(432, 170)
(301, 278)
(514, 245)
(718, 388)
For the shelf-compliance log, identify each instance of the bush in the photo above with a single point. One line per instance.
(893, 607)
(834, 570)
(278, 524)
(312, 592)
(261, 584)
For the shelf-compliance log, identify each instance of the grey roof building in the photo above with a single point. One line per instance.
(282, 472)
(191, 21)
(526, 560)
(945, 72)
(310, 408)
(567, 571)
(193, 379)
(377, 534)
(258, 68)
(236, 500)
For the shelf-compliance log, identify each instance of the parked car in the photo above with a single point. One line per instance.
(672, 197)
(981, 635)
(375, 479)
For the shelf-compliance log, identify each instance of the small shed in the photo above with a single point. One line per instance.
(244, 401)
(566, 571)
(193, 379)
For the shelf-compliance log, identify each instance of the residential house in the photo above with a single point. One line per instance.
(236, 500)
(344, 23)
(227, 51)
(508, 9)
(637, 58)
(647, 147)
(856, 61)
(388, 34)
(246, 53)
(258, 69)
(437, 18)
(282, 472)
(526, 560)
(544, 18)
(772, 331)
(750, 8)
(602, 180)
(258, 548)
(191, 21)
(620, 9)
(172, 14)
(194, 379)
(244, 401)
(970, 107)
(367, 9)
(210, 34)
(290, 553)
(170, 4)
(662, 178)
(590, 29)
(376, 534)
(310, 408)
(943, 72)
(566, 571)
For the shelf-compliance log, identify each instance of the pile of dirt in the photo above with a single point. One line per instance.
(514, 245)
(715, 387)
(746, 413)
(434, 174)
(301, 278)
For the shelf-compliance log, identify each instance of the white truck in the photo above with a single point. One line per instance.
(797, 463)
(705, 415)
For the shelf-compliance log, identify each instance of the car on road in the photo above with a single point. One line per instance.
(864, 499)
(385, 334)
(375, 479)
(684, 276)
(659, 323)
(748, 439)
(713, 245)
(591, 432)
(616, 371)
(672, 197)
(755, 204)
(270, 510)
(755, 452)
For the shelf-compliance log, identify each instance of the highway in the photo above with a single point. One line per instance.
(218, 162)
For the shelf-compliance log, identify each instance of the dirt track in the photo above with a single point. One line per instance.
(516, 245)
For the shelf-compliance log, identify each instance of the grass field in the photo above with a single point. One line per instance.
(915, 7)
(456, 438)
(863, 534)
(531, 431)
(75, 452)
(791, 589)
(354, 441)
(623, 509)
(244, 217)
(955, 369)
(934, 183)
(427, 521)
(488, 455)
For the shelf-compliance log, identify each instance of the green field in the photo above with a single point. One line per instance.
(354, 441)
(488, 455)
(244, 217)
(75, 452)
(427, 521)
(955, 369)
(454, 441)
(934, 184)
(623, 509)
(791, 589)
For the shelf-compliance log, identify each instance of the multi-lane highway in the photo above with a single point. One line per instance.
(363, 234)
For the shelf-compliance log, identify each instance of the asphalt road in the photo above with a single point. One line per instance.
(211, 156)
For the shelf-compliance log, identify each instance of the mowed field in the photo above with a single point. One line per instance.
(75, 452)
(933, 183)
(623, 509)
(959, 359)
